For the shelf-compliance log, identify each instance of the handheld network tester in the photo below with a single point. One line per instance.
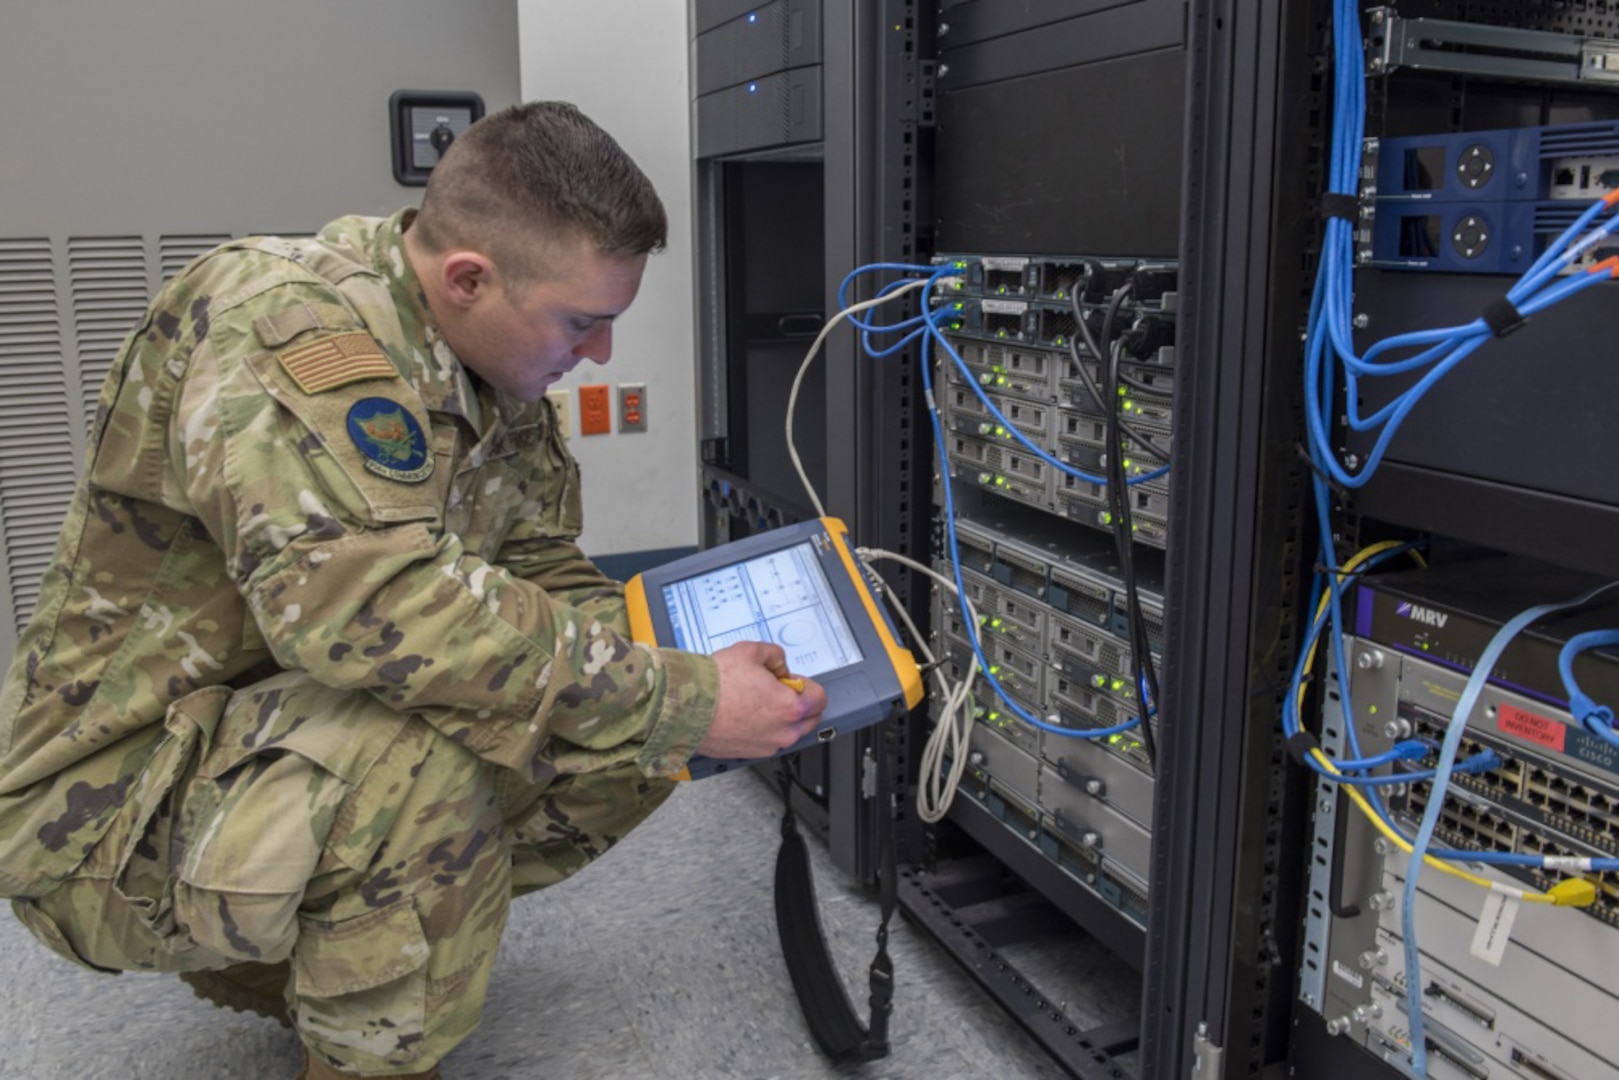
(798, 587)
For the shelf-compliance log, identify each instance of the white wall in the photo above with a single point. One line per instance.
(624, 63)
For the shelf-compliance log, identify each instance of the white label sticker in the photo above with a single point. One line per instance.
(1348, 975)
(1004, 307)
(1573, 864)
(1004, 263)
(1494, 927)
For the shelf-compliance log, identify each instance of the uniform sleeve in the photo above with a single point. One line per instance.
(328, 505)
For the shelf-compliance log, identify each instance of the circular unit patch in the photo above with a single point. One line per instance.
(391, 440)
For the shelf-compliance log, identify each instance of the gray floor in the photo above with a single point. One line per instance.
(660, 960)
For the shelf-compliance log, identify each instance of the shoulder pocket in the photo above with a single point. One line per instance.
(369, 440)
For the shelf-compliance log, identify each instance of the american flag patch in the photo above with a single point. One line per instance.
(336, 361)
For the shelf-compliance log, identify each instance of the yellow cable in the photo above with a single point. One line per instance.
(1572, 892)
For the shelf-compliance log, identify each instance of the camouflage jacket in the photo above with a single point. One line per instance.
(290, 467)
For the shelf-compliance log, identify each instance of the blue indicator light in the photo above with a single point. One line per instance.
(753, 16)
(753, 88)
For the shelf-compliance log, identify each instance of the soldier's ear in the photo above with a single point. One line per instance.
(467, 276)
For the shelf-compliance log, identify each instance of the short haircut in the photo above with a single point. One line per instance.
(523, 183)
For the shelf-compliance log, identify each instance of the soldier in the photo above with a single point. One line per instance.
(318, 678)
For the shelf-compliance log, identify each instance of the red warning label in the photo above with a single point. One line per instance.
(1526, 725)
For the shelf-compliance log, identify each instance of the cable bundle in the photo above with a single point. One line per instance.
(880, 340)
(1434, 354)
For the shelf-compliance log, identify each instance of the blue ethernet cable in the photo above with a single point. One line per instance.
(1597, 719)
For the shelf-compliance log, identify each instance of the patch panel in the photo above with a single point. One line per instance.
(1536, 789)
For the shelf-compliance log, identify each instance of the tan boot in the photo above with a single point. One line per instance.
(316, 1069)
(258, 988)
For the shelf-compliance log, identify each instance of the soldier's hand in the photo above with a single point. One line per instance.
(758, 714)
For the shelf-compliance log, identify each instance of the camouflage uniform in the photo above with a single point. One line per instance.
(317, 670)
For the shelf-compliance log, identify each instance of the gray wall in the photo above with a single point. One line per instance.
(624, 63)
(135, 136)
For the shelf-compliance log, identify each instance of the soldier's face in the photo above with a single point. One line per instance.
(522, 338)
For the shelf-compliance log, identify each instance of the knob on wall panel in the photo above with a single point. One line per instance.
(424, 123)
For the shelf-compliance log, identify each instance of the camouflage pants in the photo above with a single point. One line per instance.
(321, 826)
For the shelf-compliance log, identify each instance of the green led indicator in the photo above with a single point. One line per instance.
(1000, 333)
(1374, 710)
(1061, 341)
(956, 325)
(1099, 681)
(961, 264)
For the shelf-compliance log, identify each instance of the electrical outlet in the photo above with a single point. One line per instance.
(564, 409)
(595, 411)
(631, 406)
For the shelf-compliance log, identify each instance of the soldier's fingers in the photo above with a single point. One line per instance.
(813, 698)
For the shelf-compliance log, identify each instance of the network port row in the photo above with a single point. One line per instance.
(1467, 825)
(1533, 788)
(1094, 280)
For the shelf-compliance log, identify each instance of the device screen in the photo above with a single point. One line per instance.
(782, 598)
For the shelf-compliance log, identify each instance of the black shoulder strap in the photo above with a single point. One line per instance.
(827, 1009)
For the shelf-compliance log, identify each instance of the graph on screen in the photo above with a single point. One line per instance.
(783, 598)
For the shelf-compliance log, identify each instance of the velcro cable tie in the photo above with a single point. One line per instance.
(1336, 205)
(1300, 744)
(1503, 317)
(1325, 477)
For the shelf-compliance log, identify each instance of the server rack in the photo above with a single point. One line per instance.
(811, 121)
(1231, 981)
